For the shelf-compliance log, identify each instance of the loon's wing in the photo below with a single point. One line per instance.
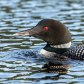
(76, 53)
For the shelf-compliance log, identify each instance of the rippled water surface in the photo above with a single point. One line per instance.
(15, 65)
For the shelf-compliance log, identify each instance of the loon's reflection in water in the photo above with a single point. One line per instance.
(56, 67)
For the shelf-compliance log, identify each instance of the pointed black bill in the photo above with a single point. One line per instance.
(22, 33)
(28, 32)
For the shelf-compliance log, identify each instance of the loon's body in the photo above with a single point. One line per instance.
(57, 37)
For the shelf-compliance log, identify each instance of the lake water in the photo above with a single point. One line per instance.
(18, 68)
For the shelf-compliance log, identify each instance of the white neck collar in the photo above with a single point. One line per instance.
(66, 45)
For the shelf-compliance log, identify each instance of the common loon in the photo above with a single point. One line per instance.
(57, 37)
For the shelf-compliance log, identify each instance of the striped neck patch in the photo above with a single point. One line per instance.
(66, 45)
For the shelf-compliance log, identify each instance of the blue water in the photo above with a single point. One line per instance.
(16, 64)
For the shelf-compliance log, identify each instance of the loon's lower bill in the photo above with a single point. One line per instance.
(57, 37)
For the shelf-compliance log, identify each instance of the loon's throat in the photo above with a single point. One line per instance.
(58, 48)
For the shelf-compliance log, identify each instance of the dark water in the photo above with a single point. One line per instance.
(15, 65)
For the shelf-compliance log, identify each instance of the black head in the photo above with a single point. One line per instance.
(51, 31)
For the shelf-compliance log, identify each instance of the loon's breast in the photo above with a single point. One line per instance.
(77, 52)
(46, 53)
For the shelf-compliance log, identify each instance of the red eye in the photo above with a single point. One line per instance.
(45, 28)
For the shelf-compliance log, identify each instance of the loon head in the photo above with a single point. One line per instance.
(51, 31)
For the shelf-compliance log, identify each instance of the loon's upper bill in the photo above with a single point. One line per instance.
(57, 37)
